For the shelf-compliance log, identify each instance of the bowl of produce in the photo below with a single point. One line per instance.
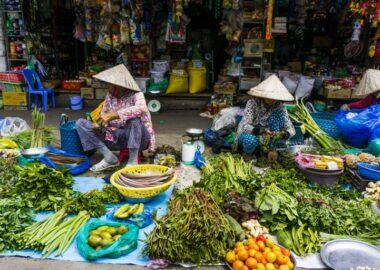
(260, 253)
(141, 183)
(34, 152)
(369, 171)
(321, 177)
(105, 235)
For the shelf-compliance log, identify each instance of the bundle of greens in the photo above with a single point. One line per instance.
(24, 138)
(8, 176)
(278, 210)
(225, 173)
(15, 216)
(194, 230)
(54, 234)
(45, 188)
(93, 201)
(301, 115)
(38, 123)
(301, 241)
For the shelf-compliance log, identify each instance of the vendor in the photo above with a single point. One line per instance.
(369, 86)
(265, 113)
(125, 122)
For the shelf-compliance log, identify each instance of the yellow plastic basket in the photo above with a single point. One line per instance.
(142, 193)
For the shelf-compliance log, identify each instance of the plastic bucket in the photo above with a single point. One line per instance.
(76, 103)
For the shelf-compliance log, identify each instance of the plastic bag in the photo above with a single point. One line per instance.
(197, 80)
(11, 126)
(178, 84)
(73, 169)
(290, 85)
(357, 128)
(304, 88)
(141, 220)
(124, 245)
(226, 118)
(199, 160)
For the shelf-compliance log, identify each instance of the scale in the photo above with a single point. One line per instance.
(154, 105)
(191, 146)
(32, 154)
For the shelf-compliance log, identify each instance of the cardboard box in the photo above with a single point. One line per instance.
(100, 93)
(15, 99)
(343, 93)
(87, 92)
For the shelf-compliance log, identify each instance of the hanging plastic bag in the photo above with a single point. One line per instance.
(124, 245)
(199, 160)
(10, 126)
(74, 169)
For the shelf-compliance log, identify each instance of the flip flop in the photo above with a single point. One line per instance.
(102, 166)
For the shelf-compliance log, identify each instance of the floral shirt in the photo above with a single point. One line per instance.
(257, 113)
(132, 105)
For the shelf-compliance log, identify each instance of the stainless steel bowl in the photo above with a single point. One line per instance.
(32, 152)
(294, 149)
(194, 132)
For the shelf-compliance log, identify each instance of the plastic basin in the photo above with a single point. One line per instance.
(369, 171)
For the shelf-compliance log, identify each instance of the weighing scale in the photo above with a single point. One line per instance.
(195, 135)
(154, 105)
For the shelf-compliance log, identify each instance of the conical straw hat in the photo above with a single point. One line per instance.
(370, 83)
(118, 75)
(271, 88)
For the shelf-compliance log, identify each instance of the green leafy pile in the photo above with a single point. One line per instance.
(43, 187)
(8, 176)
(93, 201)
(15, 216)
(23, 139)
(225, 173)
(195, 230)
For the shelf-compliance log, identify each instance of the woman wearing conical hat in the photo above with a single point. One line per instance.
(264, 113)
(125, 121)
(369, 87)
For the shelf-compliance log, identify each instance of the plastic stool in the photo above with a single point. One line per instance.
(124, 154)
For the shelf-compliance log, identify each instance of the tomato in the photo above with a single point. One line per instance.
(230, 257)
(260, 238)
(251, 263)
(237, 264)
(260, 266)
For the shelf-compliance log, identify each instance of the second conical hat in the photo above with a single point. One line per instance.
(271, 88)
(118, 75)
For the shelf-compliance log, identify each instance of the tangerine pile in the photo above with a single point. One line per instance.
(259, 253)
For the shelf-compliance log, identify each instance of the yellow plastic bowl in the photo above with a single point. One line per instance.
(142, 193)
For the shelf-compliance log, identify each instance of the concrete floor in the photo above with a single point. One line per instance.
(169, 127)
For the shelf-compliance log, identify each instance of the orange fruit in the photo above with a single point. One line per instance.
(252, 253)
(239, 244)
(251, 241)
(259, 256)
(237, 264)
(276, 248)
(281, 260)
(285, 251)
(260, 266)
(261, 245)
(271, 257)
(267, 250)
(251, 263)
(269, 243)
(283, 267)
(244, 267)
(239, 248)
(243, 255)
(269, 266)
(256, 247)
(278, 253)
(230, 257)
(290, 265)
(246, 247)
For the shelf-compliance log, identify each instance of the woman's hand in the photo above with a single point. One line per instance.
(345, 107)
(107, 117)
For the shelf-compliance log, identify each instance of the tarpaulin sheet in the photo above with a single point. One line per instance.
(84, 184)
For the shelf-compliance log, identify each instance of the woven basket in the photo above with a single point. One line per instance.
(142, 194)
(70, 141)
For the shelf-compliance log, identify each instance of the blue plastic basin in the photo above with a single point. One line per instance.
(369, 171)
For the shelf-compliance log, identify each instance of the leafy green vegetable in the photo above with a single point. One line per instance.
(8, 176)
(43, 187)
(24, 138)
(301, 240)
(15, 216)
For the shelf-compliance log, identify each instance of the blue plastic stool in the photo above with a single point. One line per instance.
(36, 88)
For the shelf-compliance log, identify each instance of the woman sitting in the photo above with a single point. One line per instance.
(125, 121)
(264, 114)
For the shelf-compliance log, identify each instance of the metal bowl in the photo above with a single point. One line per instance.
(194, 132)
(294, 149)
(32, 152)
(346, 254)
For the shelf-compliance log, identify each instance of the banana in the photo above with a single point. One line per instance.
(140, 209)
(123, 209)
(7, 144)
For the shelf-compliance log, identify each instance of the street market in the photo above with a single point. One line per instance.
(242, 134)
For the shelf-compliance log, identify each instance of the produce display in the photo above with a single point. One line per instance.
(61, 160)
(373, 191)
(300, 114)
(259, 253)
(104, 236)
(23, 139)
(54, 234)
(195, 230)
(38, 122)
(8, 176)
(319, 162)
(253, 228)
(43, 187)
(145, 179)
(128, 210)
(6, 143)
(301, 241)
(353, 160)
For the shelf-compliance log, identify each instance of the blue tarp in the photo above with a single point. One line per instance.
(84, 184)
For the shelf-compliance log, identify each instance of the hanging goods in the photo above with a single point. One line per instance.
(70, 141)
(253, 47)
